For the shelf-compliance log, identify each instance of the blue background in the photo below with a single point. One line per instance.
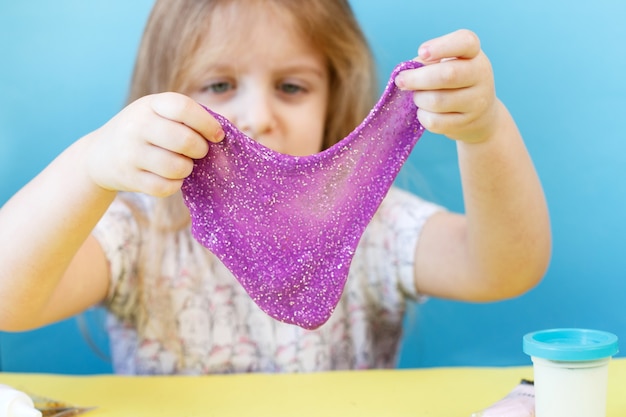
(560, 68)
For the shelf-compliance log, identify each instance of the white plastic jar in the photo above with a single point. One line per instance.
(570, 371)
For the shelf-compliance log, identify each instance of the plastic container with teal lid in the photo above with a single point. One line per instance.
(570, 345)
(570, 371)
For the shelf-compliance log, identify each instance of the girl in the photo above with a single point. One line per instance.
(297, 77)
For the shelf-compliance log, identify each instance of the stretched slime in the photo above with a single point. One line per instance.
(287, 227)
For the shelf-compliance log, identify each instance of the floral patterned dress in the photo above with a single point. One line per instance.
(200, 320)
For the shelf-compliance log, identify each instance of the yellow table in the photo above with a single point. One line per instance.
(425, 392)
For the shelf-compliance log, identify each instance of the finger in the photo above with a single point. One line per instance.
(441, 123)
(460, 44)
(446, 101)
(182, 109)
(178, 138)
(155, 185)
(451, 74)
(165, 164)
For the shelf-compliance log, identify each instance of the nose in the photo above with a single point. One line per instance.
(256, 113)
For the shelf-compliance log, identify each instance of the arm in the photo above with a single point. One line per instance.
(51, 267)
(501, 247)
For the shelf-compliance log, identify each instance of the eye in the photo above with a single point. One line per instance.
(291, 88)
(219, 87)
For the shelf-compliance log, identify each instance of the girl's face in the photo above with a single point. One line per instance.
(256, 70)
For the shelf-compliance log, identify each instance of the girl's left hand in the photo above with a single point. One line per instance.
(454, 90)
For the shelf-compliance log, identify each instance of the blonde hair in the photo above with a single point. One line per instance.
(170, 44)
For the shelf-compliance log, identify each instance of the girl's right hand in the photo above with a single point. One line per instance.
(149, 147)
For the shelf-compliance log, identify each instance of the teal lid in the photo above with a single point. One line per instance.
(570, 344)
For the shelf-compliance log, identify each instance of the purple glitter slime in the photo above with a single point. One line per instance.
(286, 226)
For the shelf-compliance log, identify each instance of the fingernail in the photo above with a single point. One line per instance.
(399, 81)
(219, 135)
(423, 52)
